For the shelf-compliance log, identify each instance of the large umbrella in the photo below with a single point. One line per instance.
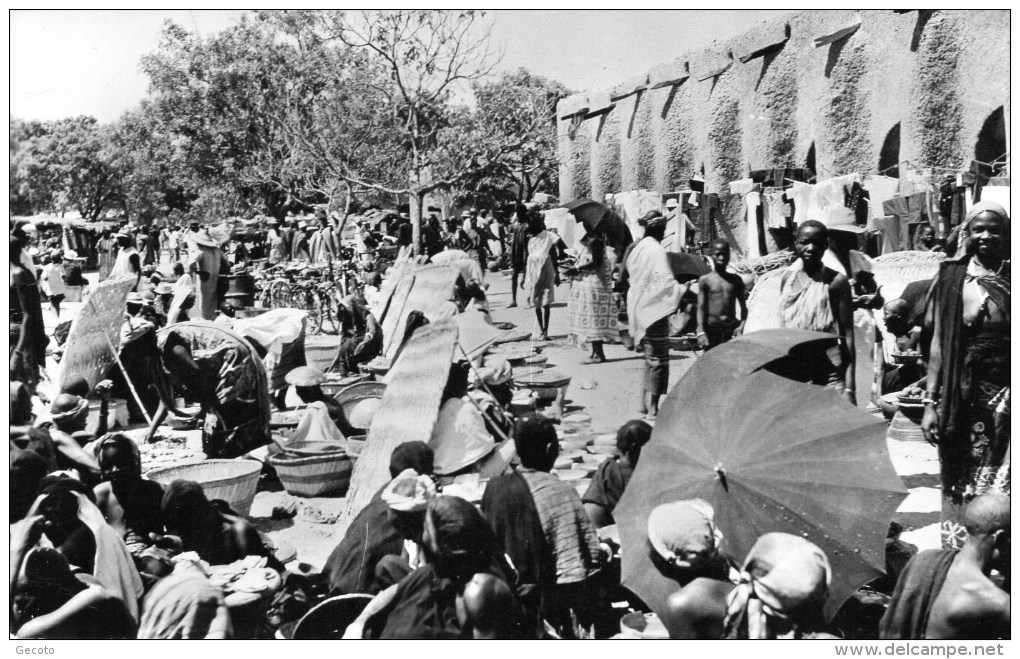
(687, 266)
(781, 351)
(596, 216)
(769, 454)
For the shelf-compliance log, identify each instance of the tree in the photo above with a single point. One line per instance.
(154, 178)
(222, 99)
(70, 165)
(26, 194)
(414, 139)
(519, 111)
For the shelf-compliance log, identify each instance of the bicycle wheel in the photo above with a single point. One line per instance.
(313, 307)
(279, 294)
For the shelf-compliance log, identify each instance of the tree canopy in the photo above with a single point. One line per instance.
(286, 109)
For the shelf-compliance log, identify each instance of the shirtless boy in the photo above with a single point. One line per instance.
(719, 293)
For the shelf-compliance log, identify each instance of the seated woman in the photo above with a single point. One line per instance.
(306, 381)
(27, 469)
(218, 537)
(129, 503)
(351, 566)
(62, 528)
(461, 591)
(361, 335)
(460, 437)
(612, 476)
(58, 449)
(406, 498)
(51, 600)
(71, 523)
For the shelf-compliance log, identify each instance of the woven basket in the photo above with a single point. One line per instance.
(313, 476)
(233, 481)
(349, 397)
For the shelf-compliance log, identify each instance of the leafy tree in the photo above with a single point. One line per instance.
(221, 100)
(409, 138)
(518, 110)
(70, 165)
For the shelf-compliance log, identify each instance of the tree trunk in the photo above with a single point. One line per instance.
(417, 206)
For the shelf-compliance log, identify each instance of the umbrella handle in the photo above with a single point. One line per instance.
(722, 476)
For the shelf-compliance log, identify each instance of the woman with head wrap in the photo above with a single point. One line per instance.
(592, 310)
(684, 546)
(463, 582)
(612, 476)
(415, 319)
(782, 590)
(351, 566)
(66, 518)
(406, 497)
(968, 393)
(51, 600)
(184, 605)
(217, 536)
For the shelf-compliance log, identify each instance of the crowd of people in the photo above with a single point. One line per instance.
(98, 551)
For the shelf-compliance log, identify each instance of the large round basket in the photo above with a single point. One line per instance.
(313, 476)
(233, 481)
(350, 397)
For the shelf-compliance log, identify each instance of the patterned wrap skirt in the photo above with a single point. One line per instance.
(656, 351)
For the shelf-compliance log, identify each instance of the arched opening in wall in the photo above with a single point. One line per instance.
(889, 158)
(991, 143)
(809, 162)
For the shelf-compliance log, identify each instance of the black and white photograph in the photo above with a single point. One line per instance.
(510, 324)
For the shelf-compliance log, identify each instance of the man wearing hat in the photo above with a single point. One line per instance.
(204, 264)
(653, 295)
(129, 262)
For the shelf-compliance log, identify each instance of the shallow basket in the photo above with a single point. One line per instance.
(350, 396)
(233, 481)
(313, 476)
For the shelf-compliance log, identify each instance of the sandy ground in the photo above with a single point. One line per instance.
(608, 392)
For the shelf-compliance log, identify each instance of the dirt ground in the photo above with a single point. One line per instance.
(608, 392)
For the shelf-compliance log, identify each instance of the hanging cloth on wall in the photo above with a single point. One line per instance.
(776, 209)
(880, 190)
(801, 195)
(755, 239)
(829, 200)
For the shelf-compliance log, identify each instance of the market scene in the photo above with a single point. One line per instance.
(348, 330)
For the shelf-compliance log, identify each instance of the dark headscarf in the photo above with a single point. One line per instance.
(189, 514)
(465, 540)
(412, 455)
(631, 437)
(21, 403)
(415, 319)
(27, 470)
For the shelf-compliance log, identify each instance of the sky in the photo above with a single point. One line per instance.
(73, 62)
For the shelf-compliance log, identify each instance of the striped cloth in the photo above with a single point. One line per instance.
(574, 542)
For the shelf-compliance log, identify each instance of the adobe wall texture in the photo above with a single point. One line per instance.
(938, 74)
